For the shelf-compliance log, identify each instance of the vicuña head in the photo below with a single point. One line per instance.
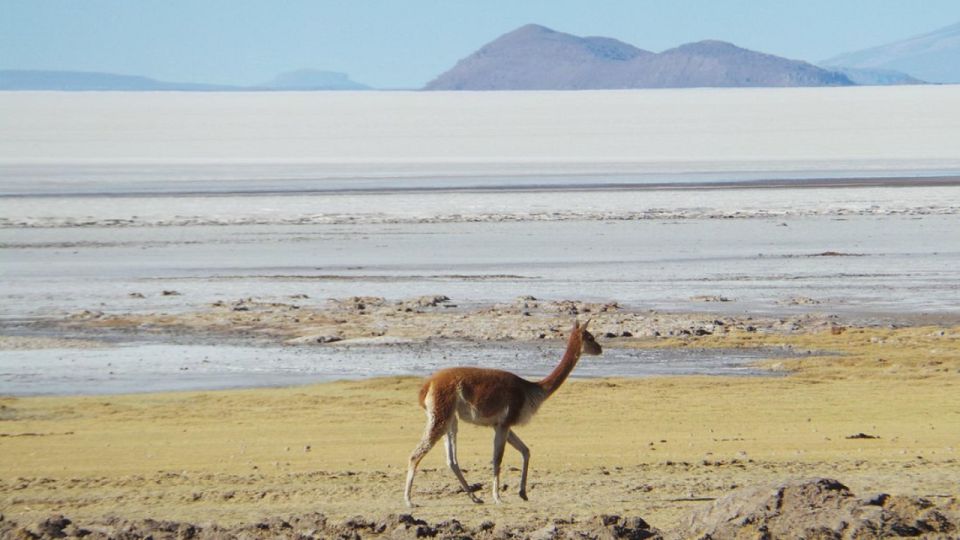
(490, 397)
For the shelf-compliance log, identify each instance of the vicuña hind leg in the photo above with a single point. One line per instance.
(499, 444)
(452, 460)
(436, 427)
(525, 453)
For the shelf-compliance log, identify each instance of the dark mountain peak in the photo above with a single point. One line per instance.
(526, 35)
(535, 57)
(531, 30)
(534, 36)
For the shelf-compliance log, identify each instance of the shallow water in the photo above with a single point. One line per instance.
(154, 367)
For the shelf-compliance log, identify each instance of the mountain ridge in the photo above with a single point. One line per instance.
(88, 81)
(535, 57)
(932, 56)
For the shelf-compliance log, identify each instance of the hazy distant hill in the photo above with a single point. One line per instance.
(90, 81)
(537, 58)
(313, 79)
(876, 77)
(83, 80)
(933, 57)
(533, 57)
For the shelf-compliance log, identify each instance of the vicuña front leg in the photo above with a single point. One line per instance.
(499, 444)
(525, 453)
(452, 461)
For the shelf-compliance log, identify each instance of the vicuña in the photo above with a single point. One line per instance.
(490, 397)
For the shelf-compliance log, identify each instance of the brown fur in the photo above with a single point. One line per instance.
(489, 397)
(487, 391)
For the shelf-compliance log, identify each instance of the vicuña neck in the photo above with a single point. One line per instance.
(551, 382)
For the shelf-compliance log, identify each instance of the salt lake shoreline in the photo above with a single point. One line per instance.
(529, 182)
(430, 331)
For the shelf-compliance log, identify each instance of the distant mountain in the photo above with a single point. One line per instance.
(933, 57)
(537, 58)
(15, 79)
(717, 63)
(305, 80)
(876, 77)
(313, 79)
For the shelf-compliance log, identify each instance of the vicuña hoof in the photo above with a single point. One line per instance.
(523, 495)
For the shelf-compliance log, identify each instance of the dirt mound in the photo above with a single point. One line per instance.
(819, 508)
(316, 525)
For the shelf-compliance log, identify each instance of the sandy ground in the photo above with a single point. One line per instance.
(879, 411)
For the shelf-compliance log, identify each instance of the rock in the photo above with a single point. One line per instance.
(358, 303)
(709, 298)
(315, 338)
(430, 301)
(835, 254)
(633, 528)
(799, 301)
(861, 435)
(411, 527)
(376, 340)
(86, 315)
(53, 527)
(547, 532)
(816, 508)
(170, 293)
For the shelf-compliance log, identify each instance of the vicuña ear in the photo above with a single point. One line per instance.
(576, 324)
(584, 325)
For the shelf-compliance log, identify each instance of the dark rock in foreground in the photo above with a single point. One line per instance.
(403, 526)
(820, 508)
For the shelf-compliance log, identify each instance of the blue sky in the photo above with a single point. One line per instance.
(403, 44)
